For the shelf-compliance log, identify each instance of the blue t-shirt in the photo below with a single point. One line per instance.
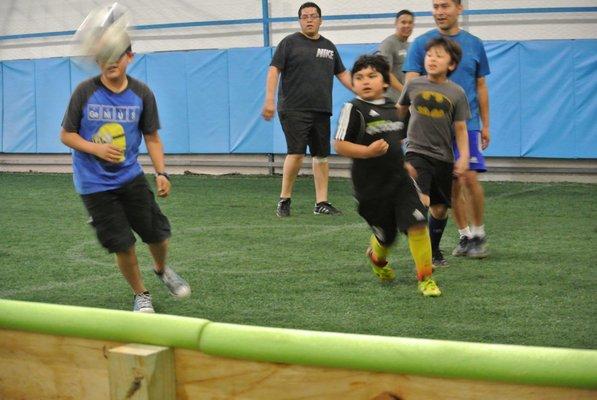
(99, 115)
(473, 65)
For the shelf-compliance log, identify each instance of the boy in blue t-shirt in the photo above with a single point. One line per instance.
(470, 75)
(106, 119)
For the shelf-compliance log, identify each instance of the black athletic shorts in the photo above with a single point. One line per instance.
(132, 207)
(396, 212)
(434, 177)
(306, 128)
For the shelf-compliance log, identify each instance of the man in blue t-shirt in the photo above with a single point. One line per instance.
(470, 74)
(106, 119)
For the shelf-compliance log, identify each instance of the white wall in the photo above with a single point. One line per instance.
(18, 17)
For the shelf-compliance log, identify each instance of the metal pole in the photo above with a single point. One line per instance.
(266, 22)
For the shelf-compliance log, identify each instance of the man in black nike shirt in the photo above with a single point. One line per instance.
(307, 63)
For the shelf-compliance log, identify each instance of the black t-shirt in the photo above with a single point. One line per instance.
(308, 67)
(364, 122)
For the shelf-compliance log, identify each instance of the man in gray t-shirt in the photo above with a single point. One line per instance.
(393, 48)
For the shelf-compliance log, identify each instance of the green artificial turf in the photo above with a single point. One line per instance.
(247, 266)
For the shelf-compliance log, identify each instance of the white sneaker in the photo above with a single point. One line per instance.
(177, 286)
(142, 303)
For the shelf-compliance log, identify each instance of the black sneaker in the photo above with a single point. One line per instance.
(462, 248)
(283, 209)
(478, 247)
(325, 208)
(438, 259)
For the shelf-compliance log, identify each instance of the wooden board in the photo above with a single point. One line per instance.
(40, 367)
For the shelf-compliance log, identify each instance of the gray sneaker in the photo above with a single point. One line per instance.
(142, 303)
(462, 248)
(177, 286)
(478, 247)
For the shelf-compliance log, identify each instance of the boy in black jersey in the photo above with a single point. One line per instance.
(370, 133)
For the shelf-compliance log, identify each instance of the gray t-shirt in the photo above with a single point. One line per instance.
(434, 107)
(394, 50)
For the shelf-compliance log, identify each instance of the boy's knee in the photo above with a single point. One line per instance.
(438, 211)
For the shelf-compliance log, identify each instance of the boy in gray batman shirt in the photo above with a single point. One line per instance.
(438, 111)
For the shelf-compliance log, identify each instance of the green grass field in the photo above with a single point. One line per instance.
(247, 266)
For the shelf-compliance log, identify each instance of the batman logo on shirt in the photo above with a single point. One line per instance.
(432, 104)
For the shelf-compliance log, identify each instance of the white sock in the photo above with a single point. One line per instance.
(465, 232)
(478, 231)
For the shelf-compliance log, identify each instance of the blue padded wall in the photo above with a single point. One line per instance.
(50, 98)
(542, 99)
(547, 93)
(1, 107)
(19, 122)
(208, 105)
(166, 76)
(247, 71)
(585, 99)
(504, 98)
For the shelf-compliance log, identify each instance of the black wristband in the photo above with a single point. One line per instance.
(164, 174)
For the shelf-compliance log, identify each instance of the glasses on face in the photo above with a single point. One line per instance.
(305, 17)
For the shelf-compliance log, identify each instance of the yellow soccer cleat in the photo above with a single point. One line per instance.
(429, 288)
(381, 269)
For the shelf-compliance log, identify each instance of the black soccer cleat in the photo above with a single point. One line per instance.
(283, 209)
(438, 259)
(325, 208)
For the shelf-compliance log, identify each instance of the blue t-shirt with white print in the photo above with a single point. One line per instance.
(99, 115)
(474, 64)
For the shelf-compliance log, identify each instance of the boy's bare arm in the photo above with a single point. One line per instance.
(105, 151)
(461, 134)
(402, 111)
(155, 148)
(411, 75)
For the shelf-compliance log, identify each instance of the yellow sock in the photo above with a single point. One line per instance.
(420, 248)
(380, 251)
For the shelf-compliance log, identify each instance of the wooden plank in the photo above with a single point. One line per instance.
(141, 372)
(43, 367)
(36, 366)
(200, 376)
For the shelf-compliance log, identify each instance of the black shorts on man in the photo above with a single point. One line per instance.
(306, 128)
(115, 214)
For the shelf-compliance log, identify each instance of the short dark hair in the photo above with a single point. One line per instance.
(404, 12)
(450, 46)
(307, 5)
(376, 62)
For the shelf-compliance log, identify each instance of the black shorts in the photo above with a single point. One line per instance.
(397, 212)
(434, 177)
(306, 128)
(132, 207)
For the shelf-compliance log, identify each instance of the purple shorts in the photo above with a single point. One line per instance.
(477, 162)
